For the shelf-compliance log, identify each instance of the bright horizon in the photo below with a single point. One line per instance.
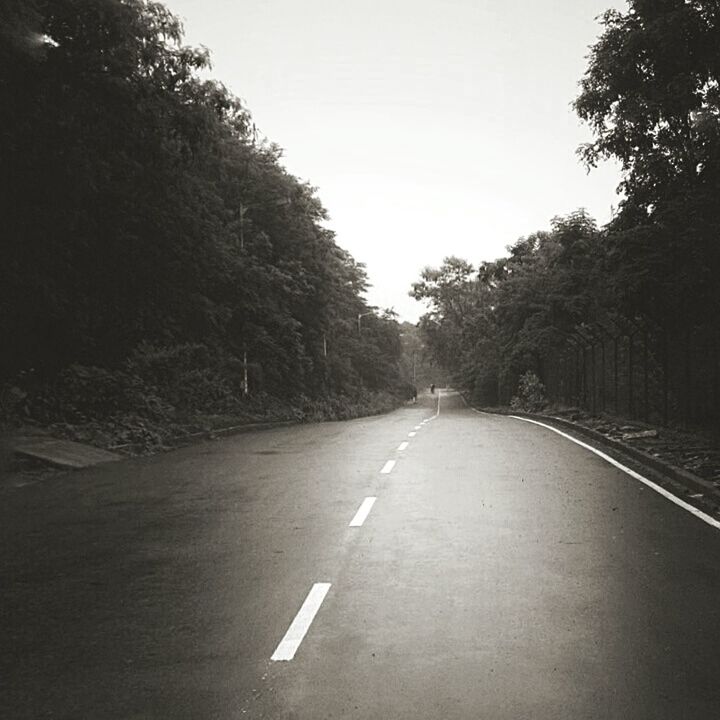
(430, 129)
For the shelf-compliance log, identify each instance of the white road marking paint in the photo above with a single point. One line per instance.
(418, 427)
(662, 491)
(387, 467)
(403, 446)
(363, 512)
(412, 434)
(300, 625)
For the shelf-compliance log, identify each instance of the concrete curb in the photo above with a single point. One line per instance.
(168, 444)
(71, 455)
(232, 430)
(182, 440)
(250, 427)
(64, 454)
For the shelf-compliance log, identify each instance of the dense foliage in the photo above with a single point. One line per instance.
(626, 315)
(488, 326)
(147, 231)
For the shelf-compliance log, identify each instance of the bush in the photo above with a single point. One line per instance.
(190, 376)
(80, 393)
(531, 394)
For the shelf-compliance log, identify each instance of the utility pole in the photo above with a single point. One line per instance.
(242, 219)
(245, 371)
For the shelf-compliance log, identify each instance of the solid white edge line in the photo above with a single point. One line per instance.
(301, 624)
(668, 495)
(363, 512)
(387, 467)
(403, 445)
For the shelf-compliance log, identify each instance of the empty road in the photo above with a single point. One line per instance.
(431, 563)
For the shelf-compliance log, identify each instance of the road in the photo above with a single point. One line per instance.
(502, 572)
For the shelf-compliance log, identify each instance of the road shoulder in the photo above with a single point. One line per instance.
(697, 491)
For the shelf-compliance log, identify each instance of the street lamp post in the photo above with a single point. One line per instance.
(359, 317)
(241, 212)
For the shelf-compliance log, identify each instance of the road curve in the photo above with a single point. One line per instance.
(414, 565)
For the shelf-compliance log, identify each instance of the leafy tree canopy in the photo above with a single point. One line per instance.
(144, 210)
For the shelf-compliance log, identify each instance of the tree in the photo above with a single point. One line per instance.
(145, 213)
(449, 291)
(652, 97)
(651, 94)
(491, 327)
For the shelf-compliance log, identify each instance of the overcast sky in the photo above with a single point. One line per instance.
(430, 127)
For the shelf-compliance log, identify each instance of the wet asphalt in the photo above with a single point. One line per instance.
(503, 572)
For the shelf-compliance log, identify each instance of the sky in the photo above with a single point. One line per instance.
(430, 127)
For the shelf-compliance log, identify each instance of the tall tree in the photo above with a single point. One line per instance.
(651, 94)
(652, 97)
(144, 211)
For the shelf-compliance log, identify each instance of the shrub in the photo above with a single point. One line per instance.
(190, 376)
(81, 392)
(531, 394)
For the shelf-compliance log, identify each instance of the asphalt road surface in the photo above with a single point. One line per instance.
(501, 572)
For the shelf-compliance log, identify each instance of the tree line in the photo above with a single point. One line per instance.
(625, 317)
(148, 229)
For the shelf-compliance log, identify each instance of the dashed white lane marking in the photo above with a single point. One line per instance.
(403, 446)
(412, 434)
(298, 628)
(418, 427)
(672, 498)
(387, 467)
(363, 512)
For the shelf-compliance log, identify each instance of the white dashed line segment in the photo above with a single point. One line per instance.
(298, 628)
(403, 446)
(363, 512)
(387, 467)
(412, 434)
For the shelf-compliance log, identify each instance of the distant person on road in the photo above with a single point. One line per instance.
(432, 388)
